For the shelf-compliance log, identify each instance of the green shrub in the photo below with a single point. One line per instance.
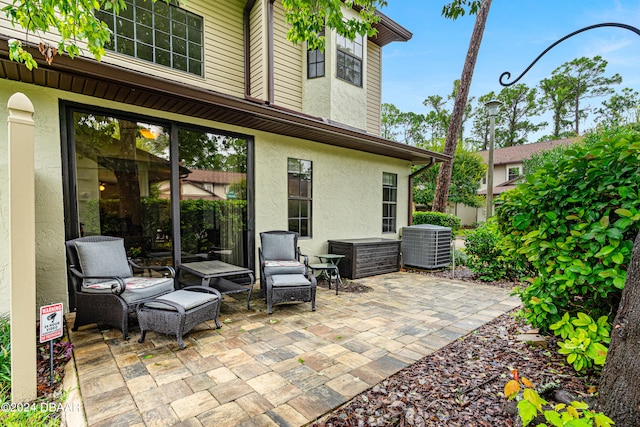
(485, 258)
(584, 340)
(461, 258)
(40, 412)
(438, 218)
(575, 220)
(531, 404)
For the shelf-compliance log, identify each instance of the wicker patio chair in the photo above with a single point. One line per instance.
(106, 290)
(283, 277)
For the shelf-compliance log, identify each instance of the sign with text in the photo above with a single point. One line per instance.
(50, 322)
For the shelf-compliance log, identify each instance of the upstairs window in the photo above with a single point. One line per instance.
(299, 186)
(315, 63)
(349, 59)
(389, 202)
(157, 32)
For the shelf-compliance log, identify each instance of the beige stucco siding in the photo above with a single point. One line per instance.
(347, 187)
(49, 222)
(287, 64)
(374, 88)
(346, 190)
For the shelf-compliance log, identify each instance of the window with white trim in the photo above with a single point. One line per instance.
(299, 173)
(389, 201)
(513, 172)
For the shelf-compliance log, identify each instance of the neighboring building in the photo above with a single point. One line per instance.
(507, 167)
(207, 90)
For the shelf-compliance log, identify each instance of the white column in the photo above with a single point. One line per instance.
(22, 253)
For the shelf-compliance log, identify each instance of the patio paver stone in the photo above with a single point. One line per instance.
(286, 369)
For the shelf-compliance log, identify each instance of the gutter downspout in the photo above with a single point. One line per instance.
(411, 177)
(270, 72)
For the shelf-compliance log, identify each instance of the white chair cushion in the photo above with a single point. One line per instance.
(107, 258)
(186, 299)
(290, 280)
(137, 288)
(283, 267)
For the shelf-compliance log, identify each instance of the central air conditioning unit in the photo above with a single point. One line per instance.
(426, 246)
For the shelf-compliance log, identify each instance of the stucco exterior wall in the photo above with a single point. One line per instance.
(347, 187)
(336, 99)
(316, 92)
(346, 190)
(49, 226)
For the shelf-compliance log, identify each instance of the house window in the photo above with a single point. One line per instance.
(158, 32)
(299, 184)
(349, 59)
(513, 172)
(315, 63)
(389, 202)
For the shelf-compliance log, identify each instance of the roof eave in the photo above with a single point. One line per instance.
(82, 75)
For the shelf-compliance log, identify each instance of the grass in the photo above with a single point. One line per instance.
(40, 412)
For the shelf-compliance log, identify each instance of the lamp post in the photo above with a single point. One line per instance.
(492, 107)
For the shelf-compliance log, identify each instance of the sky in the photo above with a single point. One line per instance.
(517, 31)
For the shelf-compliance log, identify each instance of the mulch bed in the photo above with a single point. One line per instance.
(462, 384)
(61, 355)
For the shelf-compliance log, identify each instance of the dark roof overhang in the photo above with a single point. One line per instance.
(389, 31)
(105, 81)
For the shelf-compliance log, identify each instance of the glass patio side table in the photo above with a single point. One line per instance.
(328, 267)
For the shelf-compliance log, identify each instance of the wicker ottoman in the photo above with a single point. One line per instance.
(176, 313)
(290, 288)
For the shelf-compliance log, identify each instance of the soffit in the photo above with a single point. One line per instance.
(389, 31)
(104, 81)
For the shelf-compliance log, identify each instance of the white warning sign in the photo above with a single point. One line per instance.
(50, 322)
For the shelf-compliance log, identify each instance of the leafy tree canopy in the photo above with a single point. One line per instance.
(468, 170)
(308, 19)
(73, 20)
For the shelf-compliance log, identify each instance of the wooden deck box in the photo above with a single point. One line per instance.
(366, 257)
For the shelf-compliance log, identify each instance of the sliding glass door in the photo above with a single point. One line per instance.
(213, 196)
(140, 179)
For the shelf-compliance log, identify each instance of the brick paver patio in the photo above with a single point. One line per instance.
(286, 369)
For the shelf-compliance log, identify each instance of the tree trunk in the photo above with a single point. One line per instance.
(620, 381)
(455, 124)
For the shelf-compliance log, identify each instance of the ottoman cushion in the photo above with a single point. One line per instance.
(279, 280)
(186, 299)
(283, 267)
